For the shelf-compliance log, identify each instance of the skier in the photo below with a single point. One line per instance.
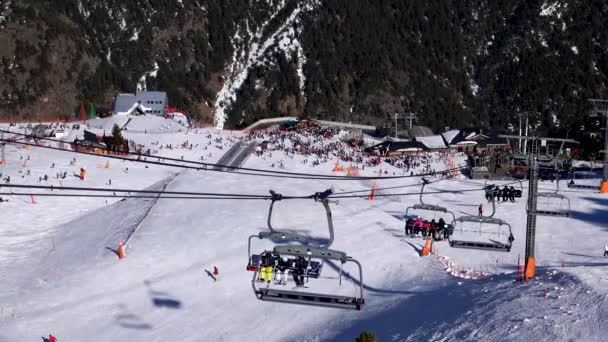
(512, 194)
(282, 271)
(299, 269)
(481, 210)
(605, 250)
(441, 228)
(52, 338)
(216, 273)
(267, 266)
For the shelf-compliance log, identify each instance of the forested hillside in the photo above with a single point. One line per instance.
(231, 62)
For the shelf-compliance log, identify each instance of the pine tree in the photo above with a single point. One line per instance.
(366, 336)
(117, 137)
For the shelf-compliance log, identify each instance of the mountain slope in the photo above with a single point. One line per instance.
(233, 62)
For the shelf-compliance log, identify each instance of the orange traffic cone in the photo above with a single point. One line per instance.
(371, 195)
(604, 187)
(349, 171)
(33, 199)
(121, 250)
(427, 248)
(107, 164)
(337, 167)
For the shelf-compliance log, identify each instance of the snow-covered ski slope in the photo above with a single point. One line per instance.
(61, 274)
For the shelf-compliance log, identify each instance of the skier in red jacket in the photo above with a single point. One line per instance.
(52, 338)
(216, 273)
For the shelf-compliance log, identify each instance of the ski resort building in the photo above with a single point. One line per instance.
(142, 102)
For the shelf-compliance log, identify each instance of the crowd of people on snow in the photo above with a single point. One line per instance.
(438, 230)
(279, 269)
(315, 144)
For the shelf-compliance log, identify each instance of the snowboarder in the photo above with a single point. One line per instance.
(481, 209)
(216, 273)
(605, 250)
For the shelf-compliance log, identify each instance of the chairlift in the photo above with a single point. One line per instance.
(284, 237)
(583, 175)
(482, 232)
(556, 203)
(435, 209)
(273, 294)
(518, 192)
(315, 255)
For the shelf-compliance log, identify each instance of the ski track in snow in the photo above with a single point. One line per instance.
(77, 289)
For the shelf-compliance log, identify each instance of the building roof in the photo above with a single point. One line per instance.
(432, 142)
(394, 146)
(124, 102)
(449, 136)
(419, 131)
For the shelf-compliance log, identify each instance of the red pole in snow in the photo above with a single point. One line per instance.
(518, 269)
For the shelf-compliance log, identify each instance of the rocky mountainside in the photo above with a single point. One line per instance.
(232, 62)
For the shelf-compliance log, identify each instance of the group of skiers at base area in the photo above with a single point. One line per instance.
(270, 264)
(507, 194)
(437, 230)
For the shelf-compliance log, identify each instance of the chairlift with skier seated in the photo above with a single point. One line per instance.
(482, 232)
(553, 203)
(494, 190)
(302, 262)
(424, 223)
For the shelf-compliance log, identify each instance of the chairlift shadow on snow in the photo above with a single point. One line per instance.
(162, 299)
(596, 216)
(113, 250)
(210, 275)
(418, 249)
(370, 288)
(585, 255)
(130, 320)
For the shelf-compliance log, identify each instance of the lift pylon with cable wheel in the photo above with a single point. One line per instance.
(532, 212)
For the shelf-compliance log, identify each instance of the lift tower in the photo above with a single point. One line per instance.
(600, 107)
(535, 141)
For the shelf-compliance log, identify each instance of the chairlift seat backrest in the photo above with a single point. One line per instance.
(254, 261)
(430, 207)
(481, 219)
(283, 236)
(310, 252)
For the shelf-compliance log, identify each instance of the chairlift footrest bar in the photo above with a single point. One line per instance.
(306, 298)
(552, 213)
(481, 245)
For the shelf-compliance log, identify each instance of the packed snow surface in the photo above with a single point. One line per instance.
(61, 274)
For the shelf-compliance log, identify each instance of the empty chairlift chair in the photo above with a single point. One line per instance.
(553, 203)
(583, 175)
(315, 255)
(482, 232)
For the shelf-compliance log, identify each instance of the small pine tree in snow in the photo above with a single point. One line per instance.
(117, 137)
(366, 336)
